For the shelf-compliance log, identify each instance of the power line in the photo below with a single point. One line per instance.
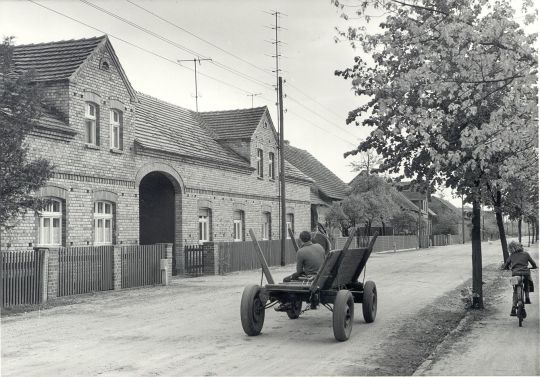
(173, 43)
(317, 114)
(277, 55)
(137, 46)
(323, 129)
(178, 65)
(198, 37)
(316, 101)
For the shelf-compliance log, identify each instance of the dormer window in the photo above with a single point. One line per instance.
(91, 123)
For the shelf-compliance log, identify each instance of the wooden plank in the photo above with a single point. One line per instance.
(262, 260)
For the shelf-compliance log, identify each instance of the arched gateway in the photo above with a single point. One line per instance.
(160, 206)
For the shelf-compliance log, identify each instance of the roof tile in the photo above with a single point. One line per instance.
(54, 60)
(233, 124)
(324, 179)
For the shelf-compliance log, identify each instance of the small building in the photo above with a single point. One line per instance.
(131, 168)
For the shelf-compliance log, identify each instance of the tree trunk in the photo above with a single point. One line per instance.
(500, 225)
(537, 229)
(383, 229)
(528, 234)
(519, 229)
(476, 240)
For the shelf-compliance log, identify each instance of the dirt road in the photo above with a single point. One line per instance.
(192, 327)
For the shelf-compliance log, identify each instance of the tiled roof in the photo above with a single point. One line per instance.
(166, 127)
(314, 198)
(413, 195)
(404, 202)
(54, 60)
(292, 172)
(324, 179)
(233, 124)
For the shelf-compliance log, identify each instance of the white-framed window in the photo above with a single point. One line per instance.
(50, 224)
(103, 223)
(271, 165)
(266, 226)
(290, 223)
(90, 123)
(260, 169)
(116, 126)
(204, 225)
(238, 225)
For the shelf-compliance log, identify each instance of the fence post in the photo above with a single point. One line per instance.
(52, 273)
(166, 264)
(44, 282)
(209, 258)
(117, 268)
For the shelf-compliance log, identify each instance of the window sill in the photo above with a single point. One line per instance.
(260, 178)
(272, 179)
(91, 146)
(116, 151)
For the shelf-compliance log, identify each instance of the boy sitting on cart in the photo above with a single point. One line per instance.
(309, 258)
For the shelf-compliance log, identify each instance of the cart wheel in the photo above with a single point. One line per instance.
(252, 310)
(343, 315)
(369, 302)
(295, 310)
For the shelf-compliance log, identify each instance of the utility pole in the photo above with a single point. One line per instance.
(253, 95)
(195, 60)
(282, 170)
(279, 104)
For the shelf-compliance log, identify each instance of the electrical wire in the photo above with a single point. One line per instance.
(153, 53)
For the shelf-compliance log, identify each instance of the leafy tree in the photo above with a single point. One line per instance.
(405, 222)
(336, 218)
(367, 161)
(19, 111)
(450, 94)
(371, 200)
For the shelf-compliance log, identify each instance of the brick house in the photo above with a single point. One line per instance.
(130, 168)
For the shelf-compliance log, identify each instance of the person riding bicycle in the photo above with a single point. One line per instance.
(518, 262)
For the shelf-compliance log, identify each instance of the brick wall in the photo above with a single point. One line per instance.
(83, 171)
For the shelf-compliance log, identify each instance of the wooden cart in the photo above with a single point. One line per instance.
(336, 286)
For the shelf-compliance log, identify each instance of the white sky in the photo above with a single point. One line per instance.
(240, 27)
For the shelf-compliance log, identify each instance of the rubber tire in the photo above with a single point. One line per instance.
(294, 313)
(343, 315)
(252, 310)
(520, 312)
(369, 302)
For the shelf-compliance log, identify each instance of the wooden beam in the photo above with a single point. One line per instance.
(262, 259)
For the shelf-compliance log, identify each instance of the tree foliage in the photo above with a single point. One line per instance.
(19, 110)
(451, 95)
(450, 91)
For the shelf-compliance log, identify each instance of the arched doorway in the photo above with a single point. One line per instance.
(158, 210)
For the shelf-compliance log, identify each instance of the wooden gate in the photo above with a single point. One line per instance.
(194, 260)
(22, 277)
(84, 269)
(141, 265)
